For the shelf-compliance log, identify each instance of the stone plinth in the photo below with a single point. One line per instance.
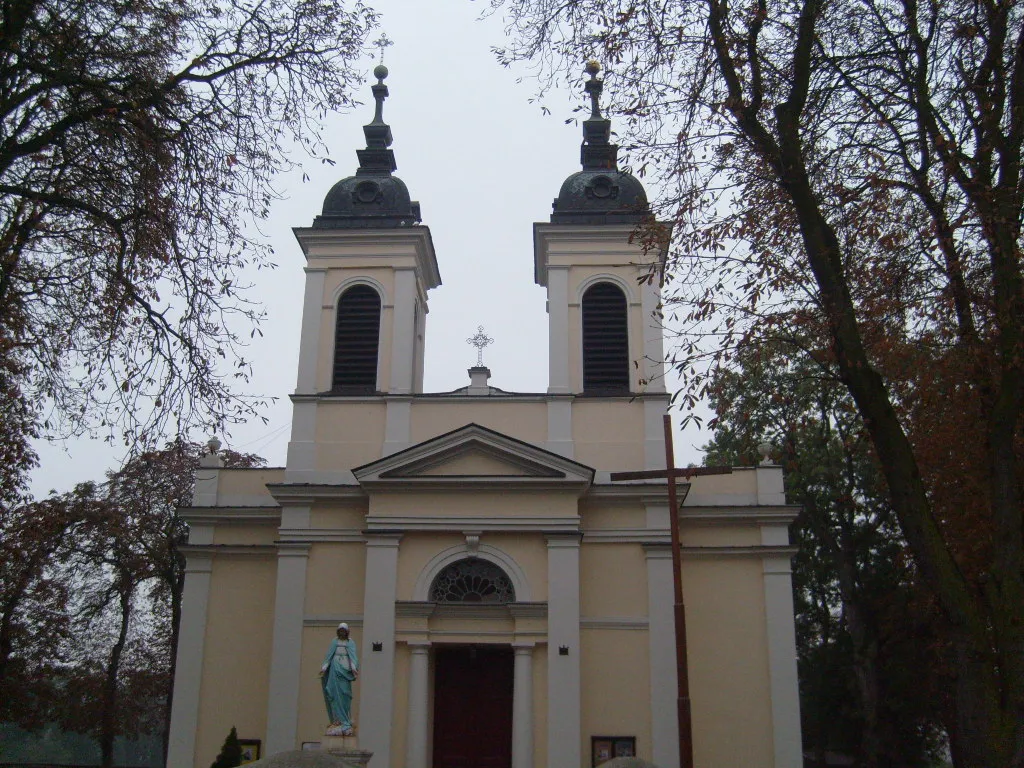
(347, 748)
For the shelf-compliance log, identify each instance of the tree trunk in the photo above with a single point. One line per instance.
(108, 715)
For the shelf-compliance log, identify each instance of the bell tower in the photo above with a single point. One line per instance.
(603, 287)
(369, 266)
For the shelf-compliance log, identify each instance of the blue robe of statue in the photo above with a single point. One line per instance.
(339, 667)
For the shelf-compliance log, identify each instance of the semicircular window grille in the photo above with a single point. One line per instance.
(472, 581)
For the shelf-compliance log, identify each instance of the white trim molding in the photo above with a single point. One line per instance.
(286, 651)
(607, 277)
(385, 301)
(181, 742)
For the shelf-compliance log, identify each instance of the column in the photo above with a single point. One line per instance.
(309, 340)
(654, 345)
(778, 604)
(560, 427)
(661, 634)
(403, 333)
(558, 330)
(654, 432)
(286, 651)
(377, 670)
(564, 651)
(418, 716)
(397, 424)
(522, 707)
(188, 670)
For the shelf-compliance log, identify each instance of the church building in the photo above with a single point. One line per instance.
(511, 604)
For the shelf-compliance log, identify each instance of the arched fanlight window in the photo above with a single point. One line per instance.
(356, 341)
(472, 581)
(605, 340)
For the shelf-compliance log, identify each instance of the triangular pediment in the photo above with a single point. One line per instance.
(472, 457)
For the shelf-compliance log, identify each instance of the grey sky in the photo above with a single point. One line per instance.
(484, 163)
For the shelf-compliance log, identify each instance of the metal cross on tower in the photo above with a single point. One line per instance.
(479, 340)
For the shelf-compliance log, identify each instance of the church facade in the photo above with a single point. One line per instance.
(511, 604)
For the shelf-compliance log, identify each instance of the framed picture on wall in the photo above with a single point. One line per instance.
(604, 748)
(250, 750)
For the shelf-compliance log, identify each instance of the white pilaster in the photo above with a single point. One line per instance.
(418, 715)
(654, 433)
(558, 330)
(302, 446)
(188, 668)
(653, 367)
(560, 427)
(778, 602)
(564, 651)
(661, 635)
(522, 707)
(770, 488)
(397, 425)
(403, 333)
(286, 651)
(309, 341)
(377, 671)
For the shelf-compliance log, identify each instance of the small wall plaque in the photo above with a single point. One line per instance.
(604, 748)
(378, 647)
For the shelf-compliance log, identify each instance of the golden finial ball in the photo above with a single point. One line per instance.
(380, 71)
(593, 67)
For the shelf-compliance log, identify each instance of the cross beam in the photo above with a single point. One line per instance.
(672, 475)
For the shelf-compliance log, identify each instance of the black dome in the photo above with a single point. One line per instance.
(369, 200)
(373, 198)
(600, 193)
(605, 196)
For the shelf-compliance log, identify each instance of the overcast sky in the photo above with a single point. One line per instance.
(484, 163)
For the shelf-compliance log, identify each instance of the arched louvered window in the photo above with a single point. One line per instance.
(472, 581)
(356, 341)
(605, 340)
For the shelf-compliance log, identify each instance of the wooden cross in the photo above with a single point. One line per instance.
(672, 475)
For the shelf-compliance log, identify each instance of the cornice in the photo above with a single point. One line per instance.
(308, 493)
(264, 550)
(535, 524)
(230, 515)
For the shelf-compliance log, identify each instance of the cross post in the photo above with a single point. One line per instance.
(672, 474)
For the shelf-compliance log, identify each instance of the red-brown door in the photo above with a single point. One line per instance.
(473, 707)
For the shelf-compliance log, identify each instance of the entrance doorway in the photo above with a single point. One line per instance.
(473, 706)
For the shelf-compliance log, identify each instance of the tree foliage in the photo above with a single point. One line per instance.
(846, 177)
(91, 585)
(139, 140)
(231, 753)
(871, 676)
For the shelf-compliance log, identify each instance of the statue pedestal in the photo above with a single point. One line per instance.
(347, 748)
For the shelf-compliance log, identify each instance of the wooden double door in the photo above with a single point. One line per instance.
(473, 706)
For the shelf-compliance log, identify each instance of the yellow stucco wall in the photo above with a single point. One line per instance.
(474, 504)
(728, 662)
(609, 433)
(335, 576)
(615, 687)
(236, 662)
(523, 420)
(248, 482)
(613, 581)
